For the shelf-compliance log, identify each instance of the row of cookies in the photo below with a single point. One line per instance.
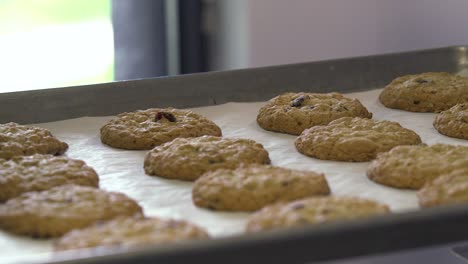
(43, 202)
(293, 113)
(55, 196)
(221, 194)
(232, 174)
(165, 117)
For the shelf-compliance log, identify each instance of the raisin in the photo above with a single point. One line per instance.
(298, 101)
(421, 81)
(160, 115)
(416, 102)
(298, 206)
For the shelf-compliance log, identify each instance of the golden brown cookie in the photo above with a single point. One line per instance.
(18, 140)
(450, 188)
(315, 210)
(188, 158)
(453, 122)
(56, 211)
(353, 139)
(251, 187)
(128, 232)
(425, 92)
(40, 172)
(292, 113)
(412, 166)
(145, 129)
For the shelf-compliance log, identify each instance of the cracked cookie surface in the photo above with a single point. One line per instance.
(251, 187)
(453, 122)
(425, 92)
(56, 211)
(314, 210)
(129, 232)
(292, 113)
(449, 188)
(40, 172)
(145, 129)
(188, 158)
(412, 166)
(19, 140)
(353, 139)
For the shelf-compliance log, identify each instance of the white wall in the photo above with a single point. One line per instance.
(287, 31)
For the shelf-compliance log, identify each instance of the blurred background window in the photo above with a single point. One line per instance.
(56, 43)
(52, 43)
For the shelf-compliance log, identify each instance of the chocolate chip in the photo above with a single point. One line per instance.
(285, 183)
(416, 102)
(298, 101)
(160, 115)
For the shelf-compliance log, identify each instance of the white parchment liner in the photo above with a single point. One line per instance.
(121, 170)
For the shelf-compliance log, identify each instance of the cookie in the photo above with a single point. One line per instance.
(292, 113)
(18, 140)
(40, 172)
(450, 188)
(315, 210)
(251, 187)
(412, 166)
(145, 129)
(453, 122)
(425, 92)
(129, 232)
(188, 158)
(56, 211)
(353, 139)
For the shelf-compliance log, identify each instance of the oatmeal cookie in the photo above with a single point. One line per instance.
(425, 92)
(56, 211)
(145, 129)
(292, 113)
(188, 158)
(19, 140)
(315, 210)
(353, 139)
(251, 187)
(449, 188)
(41, 172)
(412, 166)
(453, 122)
(129, 232)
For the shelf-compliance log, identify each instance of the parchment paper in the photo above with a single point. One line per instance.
(121, 170)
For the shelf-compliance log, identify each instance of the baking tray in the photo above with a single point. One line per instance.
(314, 243)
